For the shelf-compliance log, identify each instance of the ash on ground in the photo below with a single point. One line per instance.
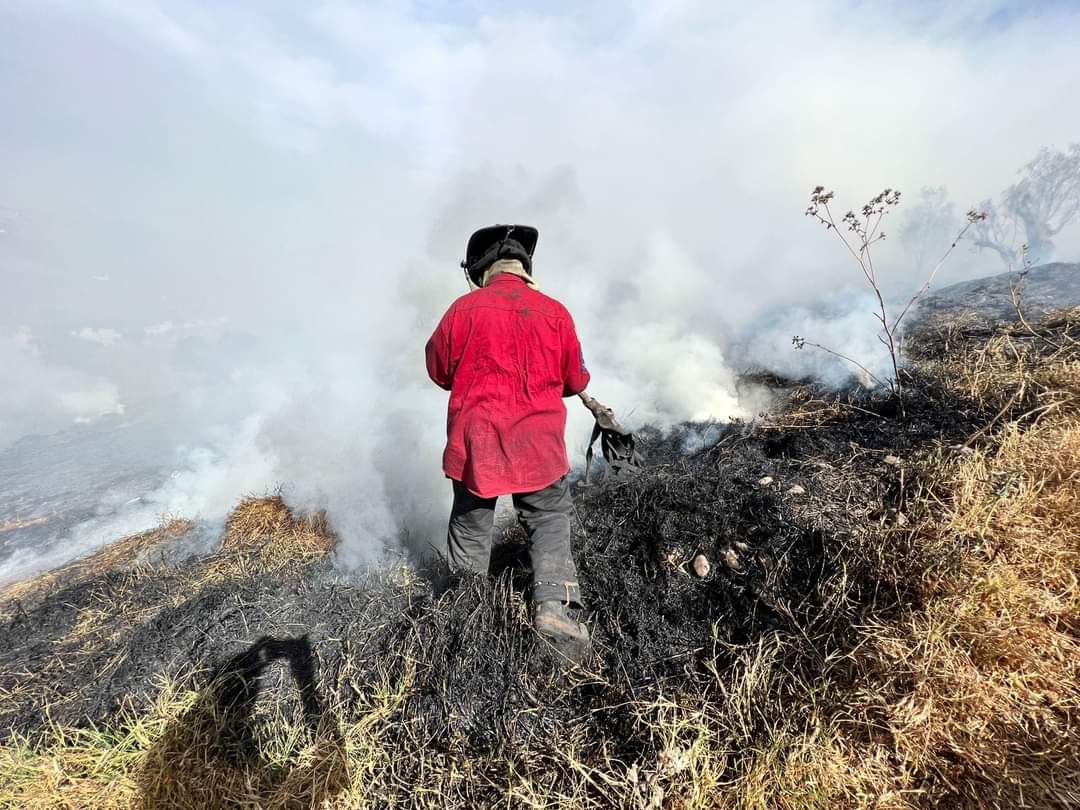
(778, 510)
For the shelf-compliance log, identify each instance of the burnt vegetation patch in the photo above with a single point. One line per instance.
(776, 527)
(783, 536)
(734, 587)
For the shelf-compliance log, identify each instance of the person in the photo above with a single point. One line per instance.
(508, 354)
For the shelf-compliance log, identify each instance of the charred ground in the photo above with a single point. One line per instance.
(778, 509)
(812, 521)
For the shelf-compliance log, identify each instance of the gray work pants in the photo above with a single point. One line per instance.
(545, 515)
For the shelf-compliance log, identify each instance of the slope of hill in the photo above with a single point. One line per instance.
(1040, 290)
(889, 618)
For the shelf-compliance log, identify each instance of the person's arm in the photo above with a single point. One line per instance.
(437, 351)
(575, 375)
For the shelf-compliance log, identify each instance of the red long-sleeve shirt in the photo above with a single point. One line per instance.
(507, 354)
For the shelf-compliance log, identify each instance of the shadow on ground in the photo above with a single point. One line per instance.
(213, 752)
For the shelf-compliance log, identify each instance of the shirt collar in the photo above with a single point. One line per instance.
(505, 278)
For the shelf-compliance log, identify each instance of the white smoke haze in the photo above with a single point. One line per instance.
(205, 484)
(41, 396)
(278, 199)
(103, 336)
(162, 328)
(842, 322)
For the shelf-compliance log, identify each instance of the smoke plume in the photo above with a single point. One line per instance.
(241, 225)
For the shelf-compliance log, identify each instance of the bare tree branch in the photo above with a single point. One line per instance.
(1042, 202)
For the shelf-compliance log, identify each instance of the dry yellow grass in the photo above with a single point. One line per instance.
(262, 533)
(976, 698)
(266, 527)
(266, 524)
(126, 552)
(23, 523)
(980, 693)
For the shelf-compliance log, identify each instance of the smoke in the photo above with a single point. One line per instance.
(842, 322)
(104, 336)
(695, 440)
(43, 396)
(243, 224)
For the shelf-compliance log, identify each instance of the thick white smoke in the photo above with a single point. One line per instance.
(242, 224)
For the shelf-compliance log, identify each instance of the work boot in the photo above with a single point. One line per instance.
(569, 637)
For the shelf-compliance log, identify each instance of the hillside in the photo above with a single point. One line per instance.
(1040, 291)
(889, 619)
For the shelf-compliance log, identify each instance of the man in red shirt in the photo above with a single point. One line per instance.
(508, 354)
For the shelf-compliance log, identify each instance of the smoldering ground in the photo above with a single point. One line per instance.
(813, 526)
(780, 528)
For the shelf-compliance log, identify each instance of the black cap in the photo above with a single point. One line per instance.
(499, 242)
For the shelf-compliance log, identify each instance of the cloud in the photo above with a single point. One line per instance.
(103, 336)
(156, 24)
(160, 328)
